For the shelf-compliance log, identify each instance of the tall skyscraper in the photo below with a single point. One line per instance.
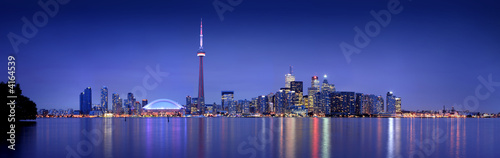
(86, 101)
(104, 98)
(311, 92)
(138, 108)
(131, 103)
(359, 104)
(126, 107)
(119, 106)
(289, 78)
(227, 100)
(326, 85)
(279, 102)
(297, 87)
(188, 104)
(380, 104)
(201, 91)
(398, 105)
(391, 103)
(315, 82)
(115, 102)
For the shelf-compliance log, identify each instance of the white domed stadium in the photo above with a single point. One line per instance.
(163, 107)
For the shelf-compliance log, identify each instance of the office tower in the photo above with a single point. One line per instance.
(326, 86)
(201, 92)
(315, 82)
(131, 103)
(144, 102)
(348, 102)
(227, 100)
(82, 104)
(104, 98)
(380, 104)
(86, 101)
(305, 102)
(126, 107)
(119, 106)
(138, 108)
(325, 103)
(289, 101)
(188, 104)
(245, 106)
(289, 78)
(311, 94)
(297, 87)
(359, 104)
(336, 100)
(279, 102)
(262, 104)
(398, 105)
(270, 102)
(391, 103)
(114, 102)
(188, 101)
(253, 106)
(194, 102)
(366, 107)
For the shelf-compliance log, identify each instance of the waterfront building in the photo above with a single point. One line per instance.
(380, 104)
(104, 98)
(358, 103)
(114, 102)
(398, 105)
(227, 100)
(391, 103)
(311, 94)
(297, 87)
(86, 101)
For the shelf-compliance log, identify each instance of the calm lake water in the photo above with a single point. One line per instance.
(260, 137)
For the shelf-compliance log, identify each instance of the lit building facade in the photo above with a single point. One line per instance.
(391, 103)
(114, 102)
(289, 78)
(398, 105)
(86, 101)
(104, 98)
(297, 87)
(227, 101)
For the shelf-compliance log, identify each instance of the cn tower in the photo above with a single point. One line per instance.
(201, 92)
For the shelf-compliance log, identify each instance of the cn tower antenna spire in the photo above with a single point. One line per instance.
(201, 34)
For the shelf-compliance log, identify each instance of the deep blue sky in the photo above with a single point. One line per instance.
(430, 54)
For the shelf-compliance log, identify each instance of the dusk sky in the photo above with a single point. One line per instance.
(430, 54)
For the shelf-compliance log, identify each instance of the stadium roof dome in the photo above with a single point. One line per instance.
(163, 104)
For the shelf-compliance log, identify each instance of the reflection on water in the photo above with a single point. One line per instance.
(261, 137)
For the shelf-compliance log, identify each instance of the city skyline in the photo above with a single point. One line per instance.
(426, 75)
